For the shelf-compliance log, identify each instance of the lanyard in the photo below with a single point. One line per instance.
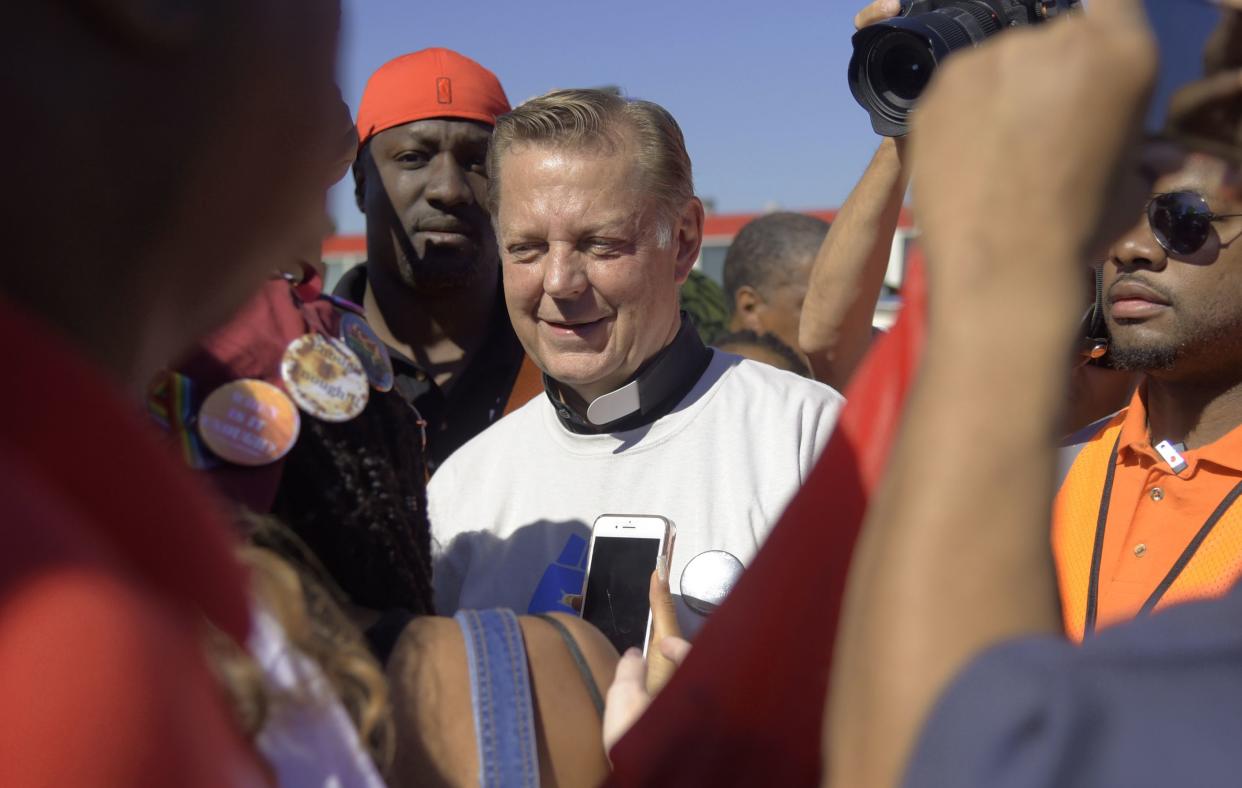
(1097, 553)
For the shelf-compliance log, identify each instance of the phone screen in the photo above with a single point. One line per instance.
(1194, 102)
(616, 589)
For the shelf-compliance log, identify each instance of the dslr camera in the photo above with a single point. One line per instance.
(894, 59)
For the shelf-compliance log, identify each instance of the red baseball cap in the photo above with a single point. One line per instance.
(430, 83)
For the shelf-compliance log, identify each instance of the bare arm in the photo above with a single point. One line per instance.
(954, 554)
(430, 691)
(835, 329)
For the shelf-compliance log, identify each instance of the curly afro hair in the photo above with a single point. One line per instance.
(355, 493)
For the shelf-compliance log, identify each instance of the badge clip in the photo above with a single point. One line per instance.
(1169, 453)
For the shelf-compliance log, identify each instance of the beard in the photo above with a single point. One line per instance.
(427, 267)
(1139, 358)
(1189, 346)
(440, 269)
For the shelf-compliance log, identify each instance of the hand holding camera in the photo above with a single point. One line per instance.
(990, 111)
(894, 58)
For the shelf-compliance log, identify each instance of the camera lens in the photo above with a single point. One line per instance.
(894, 60)
(903, 65)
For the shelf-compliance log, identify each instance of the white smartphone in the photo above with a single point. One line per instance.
(623, 554)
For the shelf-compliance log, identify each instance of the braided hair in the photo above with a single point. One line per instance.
(736, 341)
(355, 493)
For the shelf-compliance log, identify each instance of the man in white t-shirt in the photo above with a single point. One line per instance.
(597, 223)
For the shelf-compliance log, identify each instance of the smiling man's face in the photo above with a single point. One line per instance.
(1179, 315)
(591, 270)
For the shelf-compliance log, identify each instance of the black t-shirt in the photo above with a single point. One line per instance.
(479, 396)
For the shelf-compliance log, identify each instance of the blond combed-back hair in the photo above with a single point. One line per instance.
(601, 120)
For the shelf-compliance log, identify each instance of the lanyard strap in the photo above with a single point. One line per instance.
(1097, 553)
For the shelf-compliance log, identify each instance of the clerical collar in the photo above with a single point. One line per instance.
(652, 393)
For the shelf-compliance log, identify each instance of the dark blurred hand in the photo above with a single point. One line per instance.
(1020, 147)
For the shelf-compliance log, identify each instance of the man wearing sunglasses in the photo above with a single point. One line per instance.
(1145, 517)
(951, 667)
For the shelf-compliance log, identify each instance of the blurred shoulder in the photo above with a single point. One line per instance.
(430, 650)
(78, 637)
(437, 643)
(429, 687)
(543, 641)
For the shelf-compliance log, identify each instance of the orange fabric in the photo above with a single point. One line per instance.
(110, 556)
(430, 83)
(1146, 532)
(527, 386)
(1074, 515)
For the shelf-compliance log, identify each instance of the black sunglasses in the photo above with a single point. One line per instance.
(1182, 221)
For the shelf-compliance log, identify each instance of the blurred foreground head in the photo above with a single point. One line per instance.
(162, 154)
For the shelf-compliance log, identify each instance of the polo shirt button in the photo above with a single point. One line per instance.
(1157, 494)
(1139, 550)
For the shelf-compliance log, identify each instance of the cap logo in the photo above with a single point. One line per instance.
(444, 90)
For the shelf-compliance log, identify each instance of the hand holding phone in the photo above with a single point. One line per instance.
(623, 553)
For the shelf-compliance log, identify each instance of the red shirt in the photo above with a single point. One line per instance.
(110, 556)
(747, 706)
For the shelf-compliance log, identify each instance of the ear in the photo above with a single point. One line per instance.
(748, 307)
(154, 24)
(688, 237)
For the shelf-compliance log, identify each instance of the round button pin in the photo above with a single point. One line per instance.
(248, 422)
(707, 580)
(369, 349)
(325, 378)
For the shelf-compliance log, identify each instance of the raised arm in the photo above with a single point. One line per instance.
(835, 329)
(954, 553)
(848, 275)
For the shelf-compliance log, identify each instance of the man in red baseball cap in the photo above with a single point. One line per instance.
(431, 283)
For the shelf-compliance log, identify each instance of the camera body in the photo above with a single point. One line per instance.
(1016, 12)
(893, 60)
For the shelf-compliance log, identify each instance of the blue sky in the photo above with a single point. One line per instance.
(758, 87)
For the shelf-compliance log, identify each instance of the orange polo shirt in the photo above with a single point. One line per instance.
(1153, 520)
